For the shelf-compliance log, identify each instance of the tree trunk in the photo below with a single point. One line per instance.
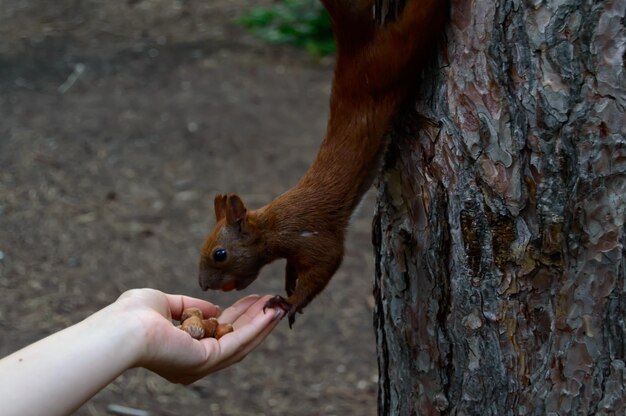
(499, 235)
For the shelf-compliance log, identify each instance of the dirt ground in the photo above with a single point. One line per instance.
(119, 122)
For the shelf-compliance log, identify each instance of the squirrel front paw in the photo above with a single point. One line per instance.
(279, 301)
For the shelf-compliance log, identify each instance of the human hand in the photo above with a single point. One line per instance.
(172, 353)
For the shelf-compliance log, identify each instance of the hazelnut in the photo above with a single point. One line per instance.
(223, 329)
(192, 322)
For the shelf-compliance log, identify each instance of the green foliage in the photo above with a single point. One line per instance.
(304, 23)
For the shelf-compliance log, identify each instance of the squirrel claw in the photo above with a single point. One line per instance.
(279, 301)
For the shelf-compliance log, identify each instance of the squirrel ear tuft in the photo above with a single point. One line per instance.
(235, 209)
(219, 205)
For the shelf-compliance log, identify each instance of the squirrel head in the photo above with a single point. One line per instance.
(231, 255)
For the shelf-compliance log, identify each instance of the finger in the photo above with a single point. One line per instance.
(253, 310)
(253, 344)
(247, 308)
(178, 303)
(247, 328)
(233, 312)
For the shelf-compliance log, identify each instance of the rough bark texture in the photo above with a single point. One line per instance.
(500, 232)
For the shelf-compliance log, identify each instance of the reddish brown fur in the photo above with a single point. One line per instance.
(306, 225)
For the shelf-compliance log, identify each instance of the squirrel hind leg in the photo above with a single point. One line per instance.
(420, 22)
(349, 17)
(345, 11)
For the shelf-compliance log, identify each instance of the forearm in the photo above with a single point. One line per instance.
(58, 374)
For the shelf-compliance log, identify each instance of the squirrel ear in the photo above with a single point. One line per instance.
(235, 209)
(220, 206)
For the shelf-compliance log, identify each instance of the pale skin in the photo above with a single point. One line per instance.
(64, 370)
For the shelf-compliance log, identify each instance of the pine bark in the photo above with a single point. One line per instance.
(499, 233)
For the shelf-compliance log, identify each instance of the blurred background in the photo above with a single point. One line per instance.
(119, 122)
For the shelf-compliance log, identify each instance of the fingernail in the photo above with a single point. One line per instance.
(278, 314)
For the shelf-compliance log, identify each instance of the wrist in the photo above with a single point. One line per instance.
(121, 331)
(65, 369)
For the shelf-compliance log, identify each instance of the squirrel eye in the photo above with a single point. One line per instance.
(219, 255)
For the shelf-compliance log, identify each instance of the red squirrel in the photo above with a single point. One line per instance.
(375, 68)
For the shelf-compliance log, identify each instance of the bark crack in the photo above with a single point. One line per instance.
(442, 253)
